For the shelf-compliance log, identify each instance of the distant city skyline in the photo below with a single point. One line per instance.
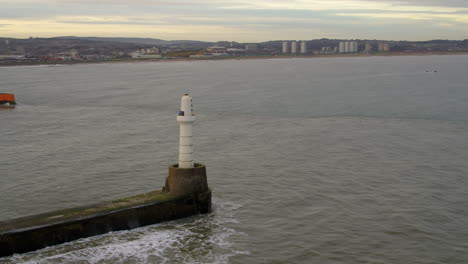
(237, 20)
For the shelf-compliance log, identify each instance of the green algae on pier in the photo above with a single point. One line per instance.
(83, 212)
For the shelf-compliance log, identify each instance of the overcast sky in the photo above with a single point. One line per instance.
(237, 20)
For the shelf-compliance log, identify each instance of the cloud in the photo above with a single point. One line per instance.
(113, 20)
(259, 4)
(444, 3)
(243, 20)
(409, 16)
(342, 5)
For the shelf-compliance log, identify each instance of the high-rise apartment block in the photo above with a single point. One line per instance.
(303, 47)
(294, 47)
(285, 47)
(348, 47)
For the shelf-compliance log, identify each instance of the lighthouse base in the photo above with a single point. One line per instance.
(191, 182)
(183, 181)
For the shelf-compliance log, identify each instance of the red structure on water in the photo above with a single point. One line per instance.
(7, 100)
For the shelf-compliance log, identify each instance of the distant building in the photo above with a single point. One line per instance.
(384, 47)
(68, 55)
(381, 47)
(134, 54)
(216, 50)
(326, 50)
(294, 47)
(251, 47)
(368, 47)
(341, 47)
(387, 47)
(285, 47)
(235, 50)
(151, 53)
(74, 54)
(303, 47)
(353, 47)
(152, 50)
(347, 47)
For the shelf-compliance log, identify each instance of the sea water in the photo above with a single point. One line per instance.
(324, 160)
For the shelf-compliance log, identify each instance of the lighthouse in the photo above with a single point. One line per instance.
(187, 178)
(186, 119)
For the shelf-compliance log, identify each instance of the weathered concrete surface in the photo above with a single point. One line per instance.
(38, 231)
(183, 181)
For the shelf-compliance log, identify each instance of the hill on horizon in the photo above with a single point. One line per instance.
(145, 41)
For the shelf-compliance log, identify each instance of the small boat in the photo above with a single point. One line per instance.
(7, 100)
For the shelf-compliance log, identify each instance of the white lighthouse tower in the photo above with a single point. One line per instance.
(187, 178)
(185, 119)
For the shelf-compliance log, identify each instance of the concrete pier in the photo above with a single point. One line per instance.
(38, 231)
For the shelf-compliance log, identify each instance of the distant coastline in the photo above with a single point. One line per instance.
(258, 57)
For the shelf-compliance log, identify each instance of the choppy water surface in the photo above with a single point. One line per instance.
(346, 160)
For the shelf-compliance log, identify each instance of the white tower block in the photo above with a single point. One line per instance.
(185, 119)
(294, 47)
